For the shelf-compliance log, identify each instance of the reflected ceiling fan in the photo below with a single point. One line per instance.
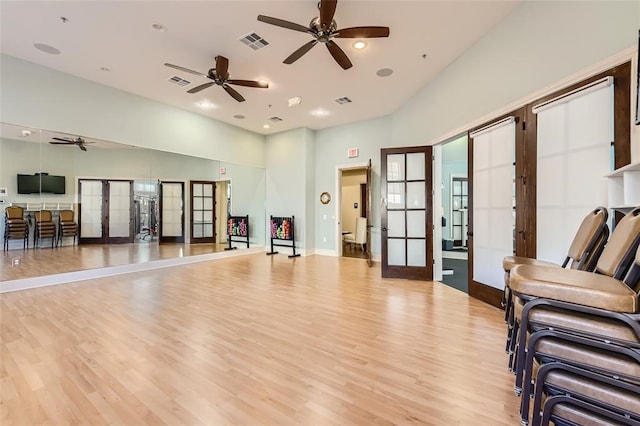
(323, 29)
(79, 142)
(220, 76)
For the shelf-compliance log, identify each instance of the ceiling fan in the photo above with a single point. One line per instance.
(323, 29)
(220, 76)
(79, 142)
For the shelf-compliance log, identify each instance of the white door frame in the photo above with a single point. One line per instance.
(338, 207)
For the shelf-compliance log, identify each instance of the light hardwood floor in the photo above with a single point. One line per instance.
(36, 262)
(253, 340)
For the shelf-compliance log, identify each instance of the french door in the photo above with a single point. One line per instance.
(407, 217)
(106, 211)
(171, 212)
(203, 205)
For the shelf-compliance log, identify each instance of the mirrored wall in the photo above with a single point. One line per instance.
(88, 165)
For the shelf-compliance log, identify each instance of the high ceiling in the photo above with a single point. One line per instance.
(114, 43)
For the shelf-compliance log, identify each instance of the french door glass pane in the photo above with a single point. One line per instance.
(91, 209)
(416, 224)
(395, 196)
(415, 166)
(416, 195)
(396, 252)
(395, 167)
(172, 210)
(119, 209)
(395, 224)
(416, 252)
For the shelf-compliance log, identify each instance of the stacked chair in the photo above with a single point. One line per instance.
(576, 333)
(67, 227)
(44, 228)
(583, 254)
(15, 226)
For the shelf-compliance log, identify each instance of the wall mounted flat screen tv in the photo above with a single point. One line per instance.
(41, 183)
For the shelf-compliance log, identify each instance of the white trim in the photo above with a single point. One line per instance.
(90, 274)
(619, 58)
(326, 252)
(576, 93)
(493, 126)
(337, 215)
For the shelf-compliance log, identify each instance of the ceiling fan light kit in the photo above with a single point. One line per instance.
(324, 29)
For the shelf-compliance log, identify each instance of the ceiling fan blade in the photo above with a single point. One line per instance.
(339, 55)
(222, 67)
(184, 69)
(249, 83)
(327, 10)
(64, 140)
(61, 143)
(362, 32)
(82, 147)
(282, 23)
(201, 87)
(301, 51)
(230, 90)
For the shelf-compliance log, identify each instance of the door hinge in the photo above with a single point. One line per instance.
(524, 125)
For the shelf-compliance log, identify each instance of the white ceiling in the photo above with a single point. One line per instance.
(118, 35)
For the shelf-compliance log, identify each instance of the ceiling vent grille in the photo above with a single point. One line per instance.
(179, 81)
(275, 119)
(254, 41)
(343, 100)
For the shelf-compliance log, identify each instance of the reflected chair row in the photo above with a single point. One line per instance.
(17, 227)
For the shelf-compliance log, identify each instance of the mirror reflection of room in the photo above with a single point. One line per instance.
(112, 194)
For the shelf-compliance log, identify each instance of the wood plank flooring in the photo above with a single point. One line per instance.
(253, 340)
(17, 264)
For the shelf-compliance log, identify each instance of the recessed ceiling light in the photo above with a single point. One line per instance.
(359, 44)
(320, 112)
(239, 116)
(159, 27)
(46, 48)
(296, 100)
(266, 126)
(205, 105)
(384, 72)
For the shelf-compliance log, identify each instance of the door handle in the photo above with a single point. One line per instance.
(384, 229)
(523, 234)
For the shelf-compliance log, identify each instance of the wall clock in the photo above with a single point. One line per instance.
(325, 198)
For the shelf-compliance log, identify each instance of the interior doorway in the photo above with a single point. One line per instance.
(455, 213)
(353, 212)
(145, 205)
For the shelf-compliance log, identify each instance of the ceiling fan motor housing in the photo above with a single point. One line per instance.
(322, 35)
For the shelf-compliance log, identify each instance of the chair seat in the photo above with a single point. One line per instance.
(580, 417)
(590, 357)
(577, 322)
(509, 262)
(573, 286)
(595, 390)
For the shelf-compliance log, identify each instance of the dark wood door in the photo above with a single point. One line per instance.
(407, 213)
(367, 202)
(106, 211)
(202, 214)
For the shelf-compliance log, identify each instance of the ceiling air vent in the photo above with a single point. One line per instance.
(275, 119)
(254, 41)
(343, 100)
(179, 81)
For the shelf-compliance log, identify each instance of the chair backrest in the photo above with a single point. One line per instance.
(66, 215)
(589, 241)
(14, 212)
(43, 216)
(619, 253)
(361, 230)
(633, 276)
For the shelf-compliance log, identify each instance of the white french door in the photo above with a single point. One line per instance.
(171, 212)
